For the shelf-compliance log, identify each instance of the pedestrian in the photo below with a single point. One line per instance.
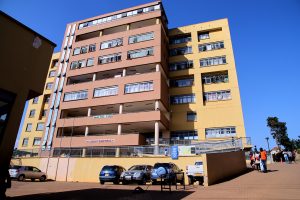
(252, 159)
(294, 153)
(290, 155)
(285, 156)
(166, 151)
(263, 160)
(257, 161)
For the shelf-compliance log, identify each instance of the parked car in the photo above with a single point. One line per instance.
(163, 171)
(137, 173)
(26, 172)
(111, 173)
(195, 173)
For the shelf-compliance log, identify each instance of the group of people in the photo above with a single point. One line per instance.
(258, 160)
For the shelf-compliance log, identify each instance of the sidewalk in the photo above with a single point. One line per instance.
(282, 182)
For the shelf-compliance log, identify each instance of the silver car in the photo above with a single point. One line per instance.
(26, 172)
(137, 173)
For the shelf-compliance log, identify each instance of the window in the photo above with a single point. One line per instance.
(84, 49)
(191, 116)
(181, 99)
(181, 39)
(212, 61)
(109, 58)
(140, 53)
(140, 38)
(138, 87)
(77, 64)
(180, 51)
(54, 63)
(215, 78)
(28, 127)
(217, 95)
(47, 99)
(40, 126)
(78, 95)
(92, 47)
(90, 62)
(52, 73)
(49, 86)
(211, 46)
(106, 91)
(184, 135)
(181, 65)
(25, 142)
(76, 51)
(44, 113)
(203, 36)
(36, 141)
(35, 100)
(31, 113)
(111, 43)
(220, 132)
(184, 82)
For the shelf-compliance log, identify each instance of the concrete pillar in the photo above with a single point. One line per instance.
(156, 105)
(121, 109)
(101, 33)
(89, 112)
(86, 131)
(157, 21)
(118, 152)
(119, 129)
(157, 67)
(94, 76)
(128, 27)
(83, 152)
(124, 72)
(156, 138)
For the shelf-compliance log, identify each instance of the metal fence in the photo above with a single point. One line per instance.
(135, 151)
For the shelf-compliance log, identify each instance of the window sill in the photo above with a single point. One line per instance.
(139, 57)
(138, 92)
(111, 47)
(140, 41)
(210, 50)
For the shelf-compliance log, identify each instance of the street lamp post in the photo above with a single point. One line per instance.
(267, 138)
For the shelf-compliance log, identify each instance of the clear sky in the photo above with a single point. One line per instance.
(265, 36)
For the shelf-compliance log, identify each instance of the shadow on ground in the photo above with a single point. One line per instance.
(107, 194)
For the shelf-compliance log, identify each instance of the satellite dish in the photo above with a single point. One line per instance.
(161, 171)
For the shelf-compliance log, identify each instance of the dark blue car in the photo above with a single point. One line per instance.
(111, 173)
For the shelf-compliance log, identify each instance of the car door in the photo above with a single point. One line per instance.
(28, 172)
(36, 172)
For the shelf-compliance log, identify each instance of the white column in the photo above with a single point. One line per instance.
(156, 138)
(83, 152)
(124, 72)
(157, 67)
(128, 27)
(94, 76)
(89, 112)
(86, 131)
(156, 105)
(120, 108)
(119, 129)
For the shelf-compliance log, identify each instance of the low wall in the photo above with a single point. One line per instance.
(220, 166)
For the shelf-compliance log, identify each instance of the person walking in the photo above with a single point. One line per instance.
(257, 161)
(252, 159)
(294, 153)
(263, 160)
(286, 156)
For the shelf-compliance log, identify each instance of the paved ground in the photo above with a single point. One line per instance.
(281, 182)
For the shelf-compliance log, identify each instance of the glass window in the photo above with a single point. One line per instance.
(84, 49)
(211, 46)
(28, 127)
(180, 51)
(92, 47)
(217, 95)
(184, 82)
(47, 99)
(215, 78)
(25, 142)
(220, 132)
(140, 53)
(40, 126)
(72, 96)
(184, 135)
(181, 65)
(203, 36)
(106, 91)
(111, 43)
(49, 86)
(182, 99)
(76, 51)
(36, 141)
(90, 62)
(109, 58)
(138, 87)
(181, 39)
(31, 113)
(35, 100)
(44, 113)
(141, 37)
(212, 61)
(52, 73)
(54, 63)
(81, 64)
(191, 116)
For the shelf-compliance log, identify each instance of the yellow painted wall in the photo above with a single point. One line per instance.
(209, 114)
(39, 107)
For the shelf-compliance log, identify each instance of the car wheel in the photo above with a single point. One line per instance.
(43, 178)
(102, 182)
(191, 181)
(116, 182)
(32, 179)
(21, 178)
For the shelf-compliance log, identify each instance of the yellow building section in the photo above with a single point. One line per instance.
(216, 114)
(33, 126)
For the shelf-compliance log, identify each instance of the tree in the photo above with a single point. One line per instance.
(279, 132)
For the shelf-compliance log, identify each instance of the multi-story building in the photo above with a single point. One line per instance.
(33, 125)
(124, 79)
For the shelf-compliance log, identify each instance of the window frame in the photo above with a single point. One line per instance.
(27, 126)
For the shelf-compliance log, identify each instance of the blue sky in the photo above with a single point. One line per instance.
(265, 36)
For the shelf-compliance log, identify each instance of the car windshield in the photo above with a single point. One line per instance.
(165, 165)
(15, 167)
(137, 167)
(109, 168)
